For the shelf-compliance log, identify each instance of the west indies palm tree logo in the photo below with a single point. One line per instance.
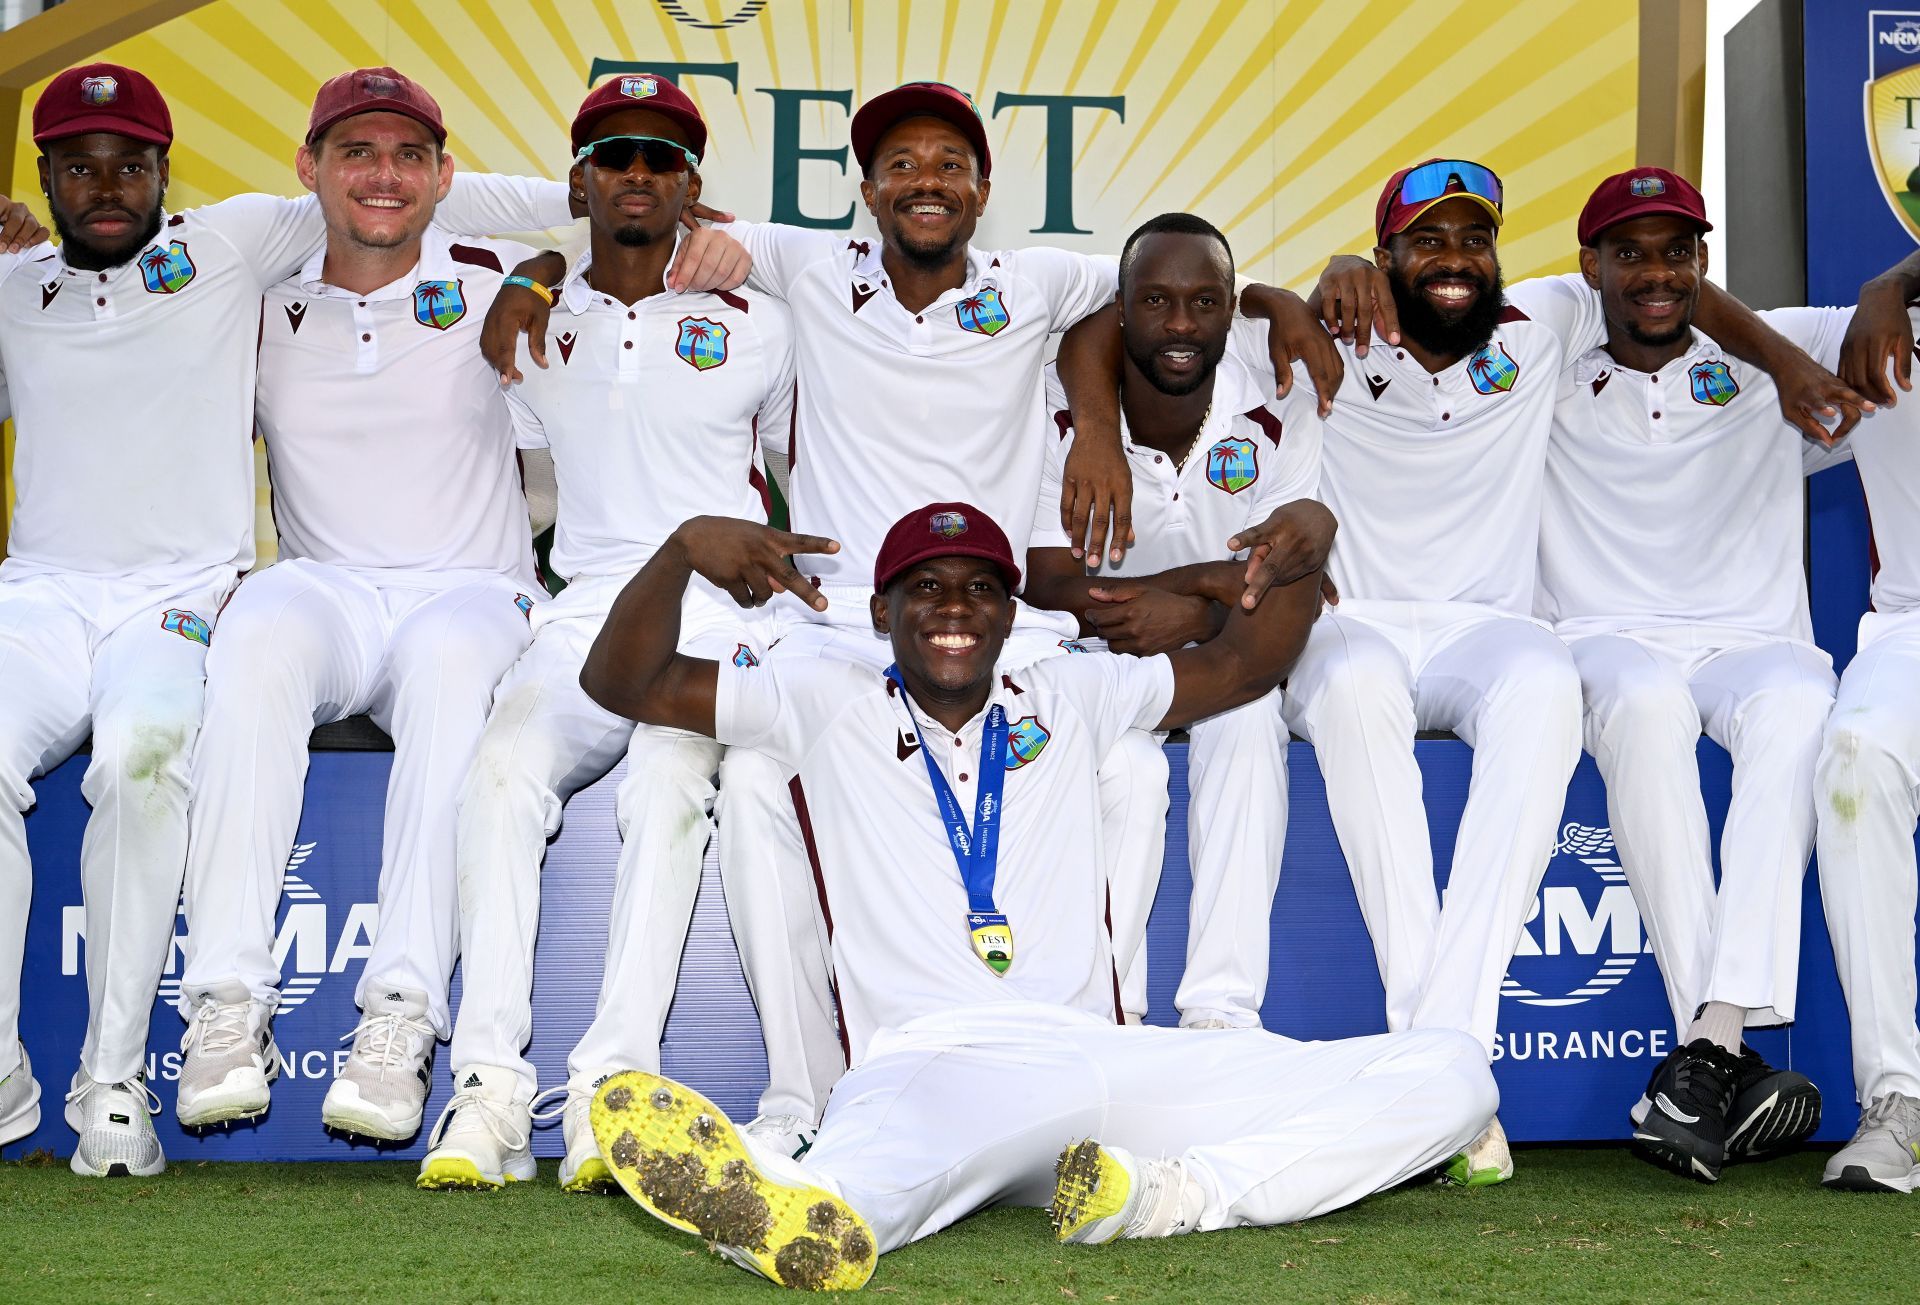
(185, 624)
(166, 271)
(438, 304)
(702, 344)
(743, 657)
(1491, 370)
(982, 312)
(1026, 740)
(1232, 465)
(99, 90)
(1712, 383)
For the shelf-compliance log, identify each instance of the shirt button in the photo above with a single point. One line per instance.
(363, 303)
(1176, 498)
(103, 276)
(1436, 382)
(1446, 416)
(1158, 458)
(101, 302)
(918, 318)
(1656, 380)
(963, 778)
(1401, 356)
(1656, 416)
(956, 743)
(627, 344)
(631, 316)
(366, 339)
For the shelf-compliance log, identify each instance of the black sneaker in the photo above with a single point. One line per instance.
(1681, 1122)
(1773, 1111)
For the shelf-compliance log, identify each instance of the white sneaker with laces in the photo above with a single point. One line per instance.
(484, 1139)
(790, 1135)
(228, 1058)
(115, 1123)
(19, 1101)
(1486, 1161)
(1884, 1155)
(583, 1170)
(382, 1092)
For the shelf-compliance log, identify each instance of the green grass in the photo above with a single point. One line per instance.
(1576, 1225)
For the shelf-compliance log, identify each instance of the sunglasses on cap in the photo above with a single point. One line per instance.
(617, 153)
(1430, 181)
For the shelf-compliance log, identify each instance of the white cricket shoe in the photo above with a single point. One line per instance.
(1212, 1022)
(115, 1124)
(584, 1169)
(1884, 1155)
(484, 1139)
(228, 1058)
(790, 1135)
(19, 1101)
(1103, 1193)
(1486, 1161)
(382, 1092)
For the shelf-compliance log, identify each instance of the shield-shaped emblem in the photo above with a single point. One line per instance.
(438, 304)
(1026, 740)
(948, 525)
(639, 88)
(702, 344)
(166, 271)
(1492, 370)
(525, 603)
(743, 656)
(1074, 646)
(1646, 187)
(1891, 93)
(1233, 465)
(982, 312)
(185, 624)
(1713, 383)
(99, 90)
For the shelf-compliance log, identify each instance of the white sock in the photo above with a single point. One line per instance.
(1720, 1023)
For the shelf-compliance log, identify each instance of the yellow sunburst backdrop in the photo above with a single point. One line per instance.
(1276, 119)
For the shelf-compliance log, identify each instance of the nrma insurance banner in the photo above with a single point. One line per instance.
(1584, 1017)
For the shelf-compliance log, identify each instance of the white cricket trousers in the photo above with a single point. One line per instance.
(127, 659)
(303, 643)
(1373, 674)
(971, 1108)
(1649, 694)
(545, 740)
(1867, 794)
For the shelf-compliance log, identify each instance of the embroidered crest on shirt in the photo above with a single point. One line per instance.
(702, 344)
(438, 304)
(743, 657)
(296, 314)
(166, 271)
(1713, 384)
(186, 625)
(982, 312)
(1232, 465)
(1074, 646)
(1492, 370)
(1026, 740)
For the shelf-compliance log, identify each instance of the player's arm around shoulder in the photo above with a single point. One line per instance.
(1251, 657)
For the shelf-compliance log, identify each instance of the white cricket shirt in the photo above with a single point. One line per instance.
(892, 893)
(133, 388)
(1254, 453)
(1677, 497)
(897, 409)
(387, 434)
(1436, 478)
(654, 412)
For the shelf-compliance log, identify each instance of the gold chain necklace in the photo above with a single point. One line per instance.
(1180, 463)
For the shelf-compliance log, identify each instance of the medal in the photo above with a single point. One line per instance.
(992, 940)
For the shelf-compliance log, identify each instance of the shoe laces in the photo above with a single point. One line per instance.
(779, 1126)
(218, 1028)
(388, 1041)
(82, 1093)
(553, 1103)
(1708, 1076)
(1896, 1112)
(498, 1117)
(1161, 1209)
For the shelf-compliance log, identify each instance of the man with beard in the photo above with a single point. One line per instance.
(1213, 454)
(129, 532)
(957, 817)
(1670, 562)
(652, 413)
(404, 580)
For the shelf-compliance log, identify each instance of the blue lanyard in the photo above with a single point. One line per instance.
(976, 850)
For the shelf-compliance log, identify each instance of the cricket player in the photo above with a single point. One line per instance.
(653, 411)
(1214, 454)
(954, 802)
(1670, 562)
(128, 535)
(403, 589)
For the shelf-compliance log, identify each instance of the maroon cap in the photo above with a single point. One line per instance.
(943, 530)
(915, 99)
(102, 97)
(373, 90)
(640, 91)
(1643, 192)
(1393, 213)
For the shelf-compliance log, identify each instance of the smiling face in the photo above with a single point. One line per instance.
(636, 206)
(1176, 305)
(1648, 272)
(104, 191)
(1445, 275)
(378, 177)
(948, 618)
(924, 190)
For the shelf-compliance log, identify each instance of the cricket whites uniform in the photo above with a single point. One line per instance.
(1254, 454)
(1436, 480)
(966, 1083)
(1867, 781)
(403, 591)
(654, 413)
(1670, 562)
(896, 409)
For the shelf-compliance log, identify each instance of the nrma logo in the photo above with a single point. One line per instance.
(305, 936)
(1584, 935)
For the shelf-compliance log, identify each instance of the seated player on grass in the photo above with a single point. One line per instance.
(951, 804)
